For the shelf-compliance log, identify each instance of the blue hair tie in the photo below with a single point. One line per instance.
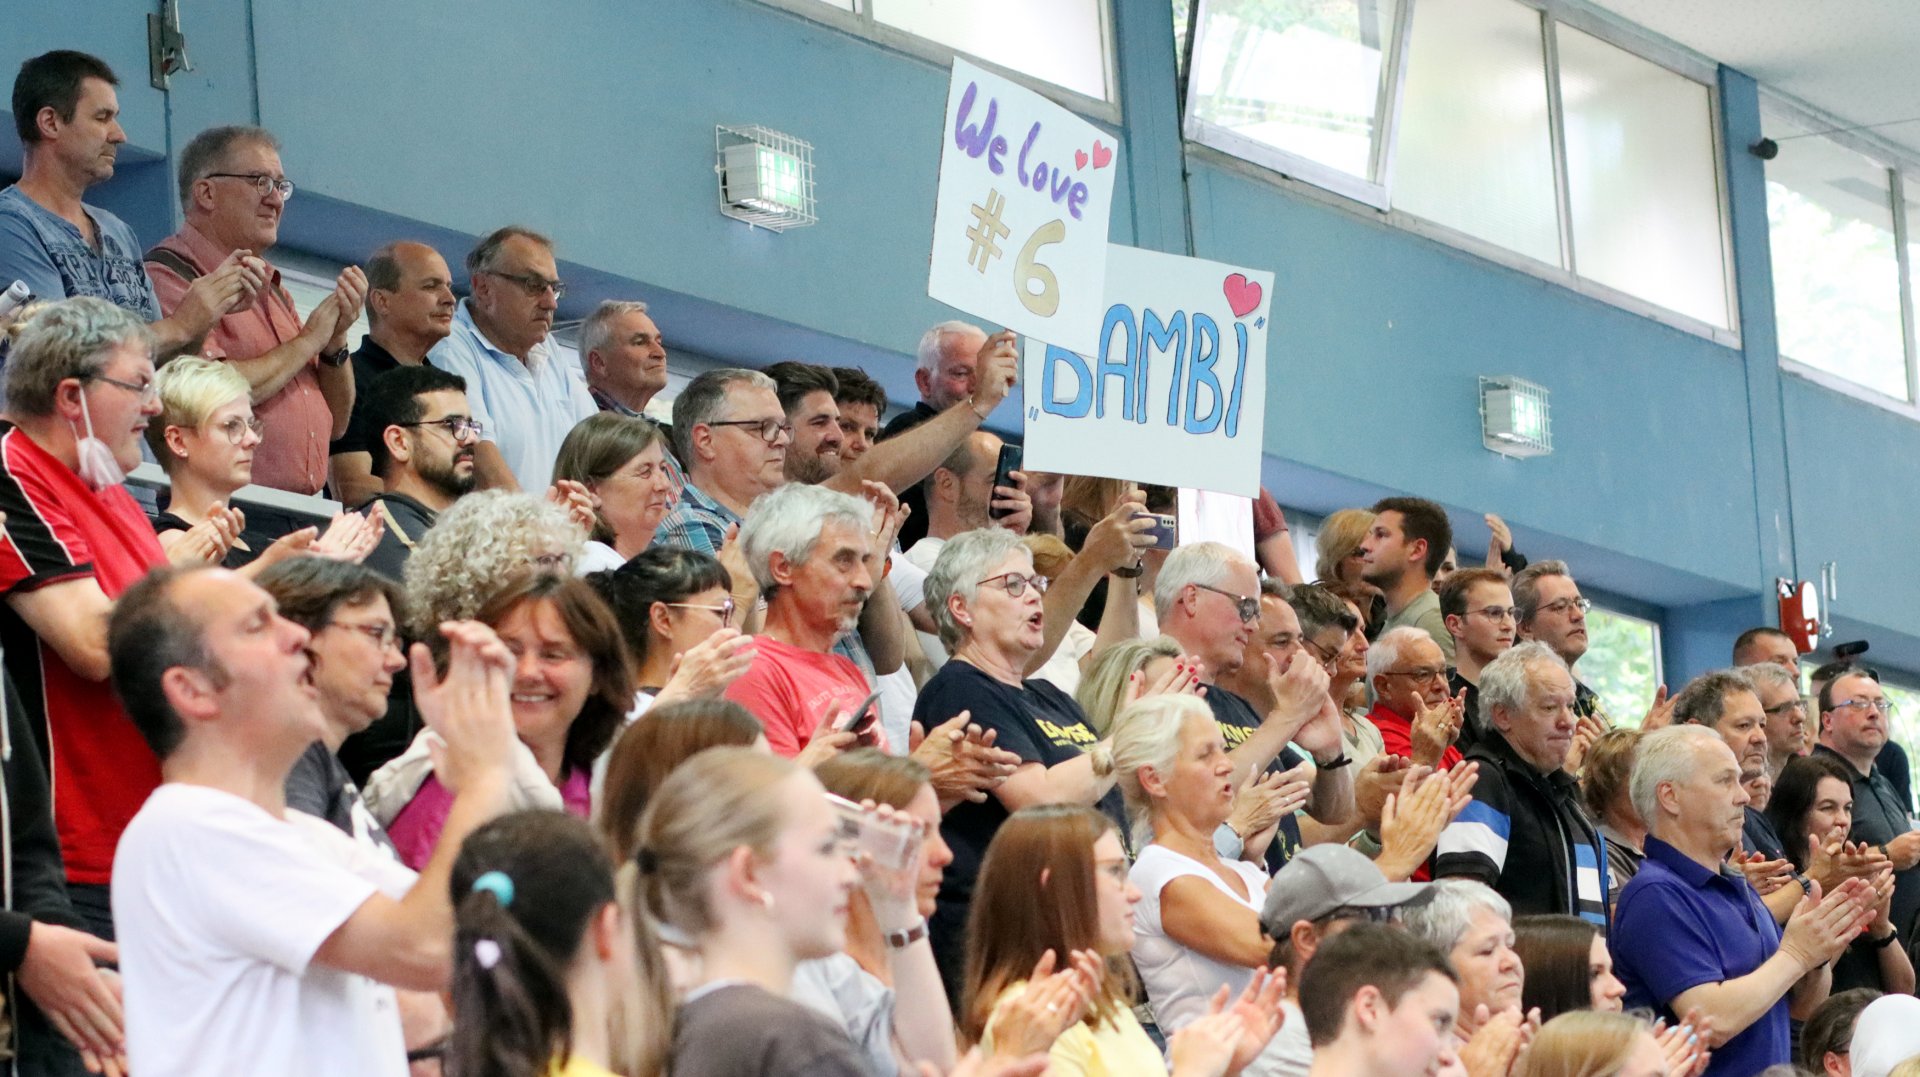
(498, 884)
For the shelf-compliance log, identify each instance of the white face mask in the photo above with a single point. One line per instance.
(97, 466)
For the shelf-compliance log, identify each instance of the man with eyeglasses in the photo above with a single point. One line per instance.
(422, 452)
(731, 437)
(1526, 832)
(233, 192)
(1552, 611)
(410, 307)
(1786, 712)
(1207, 601)
(502, 342)
(1727, 702)
(1321, 893)
(1477, 605)
(1402, 554)
(1856, 719)
(1411, 707)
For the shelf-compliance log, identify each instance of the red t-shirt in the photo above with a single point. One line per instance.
(789, 689)
(58, 530)
(1397, 733)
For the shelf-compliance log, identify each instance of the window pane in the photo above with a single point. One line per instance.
(1644, 193)
(1302, 76)
(1475, 151)
(1836, 280)
(1061, 41)
(1622, 663)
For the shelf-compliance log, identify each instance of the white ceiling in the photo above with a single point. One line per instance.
(1854, 59)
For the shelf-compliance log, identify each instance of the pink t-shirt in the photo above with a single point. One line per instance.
(789, 689)
(416, 830)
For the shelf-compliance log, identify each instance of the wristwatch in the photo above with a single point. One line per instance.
(336, 358)
(900, 940)
(1341, 760)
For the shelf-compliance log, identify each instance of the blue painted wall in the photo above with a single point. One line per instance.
(593, 120)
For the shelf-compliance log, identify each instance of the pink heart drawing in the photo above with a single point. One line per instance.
(1079, 159)
(1102, 155)
(1242, 294)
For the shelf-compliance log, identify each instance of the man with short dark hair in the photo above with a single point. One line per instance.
(862, 401)
(233, 191)
(807, 395)
(258, 938)
(1786, 711)
(521, 392)
(1552, 611)
(1378, 1002)
(1766, 644)
(1477, 606)
(1321, 894)
(410, 309)
(422, 451)
(1401, 555)
(1855, 720)
(68, 119)
(960, 496)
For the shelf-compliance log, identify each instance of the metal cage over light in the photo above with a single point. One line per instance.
(766, 178)
(1514, 417)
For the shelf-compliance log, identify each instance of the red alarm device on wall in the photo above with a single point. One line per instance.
(1799, 613)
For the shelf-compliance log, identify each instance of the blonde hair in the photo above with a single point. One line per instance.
(191, 389)
(1146, 735)
(1050, 555)
(717, 801)
(479, 544)
(1340, 535)
(1104, 689)
(1582, 1043)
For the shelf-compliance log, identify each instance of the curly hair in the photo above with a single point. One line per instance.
(476, 545)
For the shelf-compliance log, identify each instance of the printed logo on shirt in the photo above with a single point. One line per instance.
(1234, 735)
(1071, 736)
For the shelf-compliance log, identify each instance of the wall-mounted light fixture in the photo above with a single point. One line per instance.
(766, 178)
(1514, 420)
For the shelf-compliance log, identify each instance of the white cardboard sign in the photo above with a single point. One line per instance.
(1174, 390)
(1020, 221)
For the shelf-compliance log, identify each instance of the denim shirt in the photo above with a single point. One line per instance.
(54, 259)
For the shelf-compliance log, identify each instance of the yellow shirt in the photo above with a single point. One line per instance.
(579, 1067)
(1118, 1047)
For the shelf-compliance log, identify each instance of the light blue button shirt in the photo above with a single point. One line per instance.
(528, 407)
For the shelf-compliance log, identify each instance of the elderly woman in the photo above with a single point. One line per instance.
(985, 598)
(1473, 926)
(1197, 926)
(204, 439)
(479, 542)
(622, 462)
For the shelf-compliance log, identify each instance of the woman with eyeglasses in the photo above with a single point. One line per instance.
(985, 598)
(676, 610)
(204, 438)
(572, 686)
(622, 462)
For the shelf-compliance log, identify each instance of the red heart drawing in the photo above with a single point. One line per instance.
(1242, 294)
(1102, 155)
(1079, 159)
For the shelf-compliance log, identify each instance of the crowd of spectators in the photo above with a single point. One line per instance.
(771, 740)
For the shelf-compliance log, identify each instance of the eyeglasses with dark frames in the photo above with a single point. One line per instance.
(767, 430)
(456, 426)
(532, 283)
(1015, 584)
(261, 182)
(148, 392)
(1247, 608)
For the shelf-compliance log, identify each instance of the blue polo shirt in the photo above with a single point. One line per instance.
(1679, 925)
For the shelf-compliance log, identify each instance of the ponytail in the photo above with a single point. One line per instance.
(512, 1013)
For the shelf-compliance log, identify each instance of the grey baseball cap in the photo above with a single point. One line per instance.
(1322, 878)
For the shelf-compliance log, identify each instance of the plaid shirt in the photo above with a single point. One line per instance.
(698, 522)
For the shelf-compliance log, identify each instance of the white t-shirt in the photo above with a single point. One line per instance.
(1289, 1053)
(923, 555)
(219, 908)
(1180, 981)
(898, 693)
(1062, 668)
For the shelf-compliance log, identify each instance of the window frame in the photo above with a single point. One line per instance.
(1899, 168)
(861, 23)
(1374, 200)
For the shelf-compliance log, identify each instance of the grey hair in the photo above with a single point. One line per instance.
(1146, 735)
(701, 401)
(597, 331)
(475, 546)
(1203, 563)
(486, 254)
(789, 521)
(1445, 918)
(1664, 756)
(1526, 587)
(1768, 675)
(963, 560)
(1507, 681)
(65, 339)
(1704, 700)
(208, 151)
(1386, 650)
(934, 340)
